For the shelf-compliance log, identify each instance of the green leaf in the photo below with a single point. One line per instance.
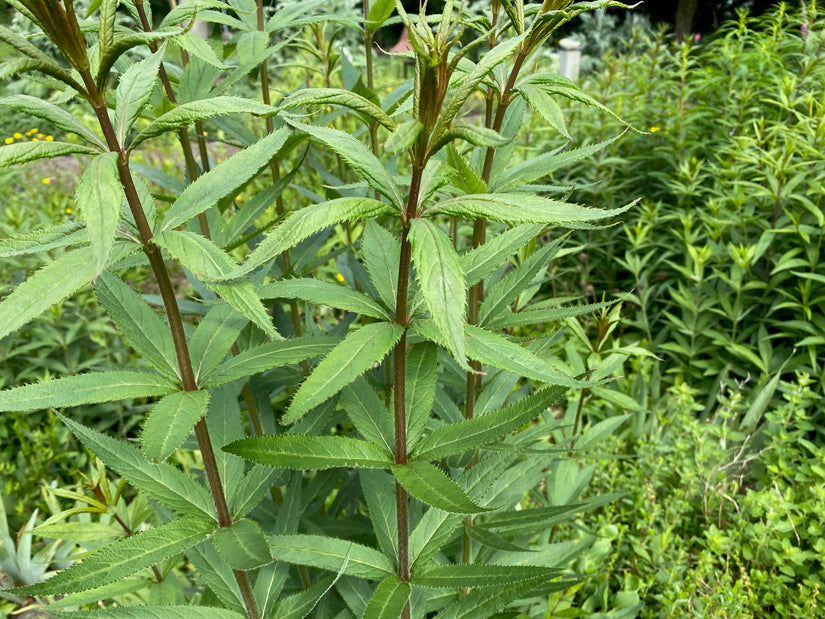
(139, 325)
(501, 353)
(299, 605)
(121, 45)
(306, 222)
(171, 420)
(187, 113)
(150, 612)
(520, 208)
(216, 574)
(213, 339)
(243, 545)
(159, 480)
(403, 137)
(126, 557)
(42, 239)
(297, 451)
(22, 152)
(99, 196)
(368, 413)
(474, 433)
(133, 92)
(78, 531)
(439, 273)
(356, 354)
(429, 484)
(491, 540)
(223, 179)
(329, 553)
(379, 493)
(435, 529)
(466, 179)
(267, 357)
(472, 576)
(482, 261)
(545, 105)
(596, 433)
(529, 520)
(419, 391)
(382, 252)
(477, 136)
(186, 11)
(379, 12)
(359, 157)
(338, 96)
(389, 599)
(532, 316)
(324, 293)
(489, 601)
(90, 388)
(60, 118)
(39, 60)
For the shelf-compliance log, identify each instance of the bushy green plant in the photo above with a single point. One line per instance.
(389, 474)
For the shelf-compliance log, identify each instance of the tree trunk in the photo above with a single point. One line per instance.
(684, 18)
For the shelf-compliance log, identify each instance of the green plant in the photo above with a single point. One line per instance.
(419, 413)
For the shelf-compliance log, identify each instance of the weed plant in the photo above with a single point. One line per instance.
(369, 461)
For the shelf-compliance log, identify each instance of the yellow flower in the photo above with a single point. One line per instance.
(653, 129)
(46, 181)
(35, 140)
(339, 277)
(41, 136)
(68, 211)
(49, 138)
(35, 130)
(9, 140)
(17, 136)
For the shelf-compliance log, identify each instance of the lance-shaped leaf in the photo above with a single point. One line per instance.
(42, 239)
(457, 438)
(301, 604)
(389, 599)
(329, 553)
(269, 356)
(381, 253)
(337, 96)
(298, 451)
(521, 208)
(159, 480)
(39, 61)
(546, 106)
(139, 325)
(186, 11)
(435, 529)
(439, 273)
(529, 520)
(243, 545)
(209, 263)
(482, 261)
(532, 316)
(379, 12)
(187, 113)
(420, 382)
(461, 576)
(126, 557)
(22, 152)
(99, 196)
(368, 413)
(223, 179)
(150, 612)
(379, 493)
(499, 352)
(429, 484)
(82, 389)
(324, 293)
(213, 338)
(121, 45)
(488, 601)
(306, 222)
(357, 353)
(171, 420)
(133, 92)
(358, 157)
(403, 137)
(477, 136)
(60, 118)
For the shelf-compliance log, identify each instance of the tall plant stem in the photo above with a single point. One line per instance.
(399, 379)
(370, 83)
(170, 304)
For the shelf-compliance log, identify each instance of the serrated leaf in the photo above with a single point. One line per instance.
(477, 136)
(133, 91)
(159, 480)
(223, 179)
(121, 45)
(474, 433)
(187, 11)
(297, 451)
(379, 12)
(347, 361)
(22, 152)
(243, 545)
(40, 61)
(99, 196)
(482, 261)
(329, 553)
(382, 252)
(431, 485)
(466, 177)
(403, 137)
(139, 325)
(491, 540)
(520, 208)
(150, 612)
(306, 222)
(389, 599)
(439, 273)
(126, 557)
(419, 391)
(368, 413)
(532, 520)
(217, 575)
(78, 531)
(599, 431)
(90, 388)
(472, 576)
(324, 293)
(378, 488)
(60, 118)
(499, 352)
(532, 316)
(359, 157)
(42, 239)
(267, 357)
(544, 104)
(213, 338)
(170, 421)
(337, 96)
(489, 601)
(435, 529)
